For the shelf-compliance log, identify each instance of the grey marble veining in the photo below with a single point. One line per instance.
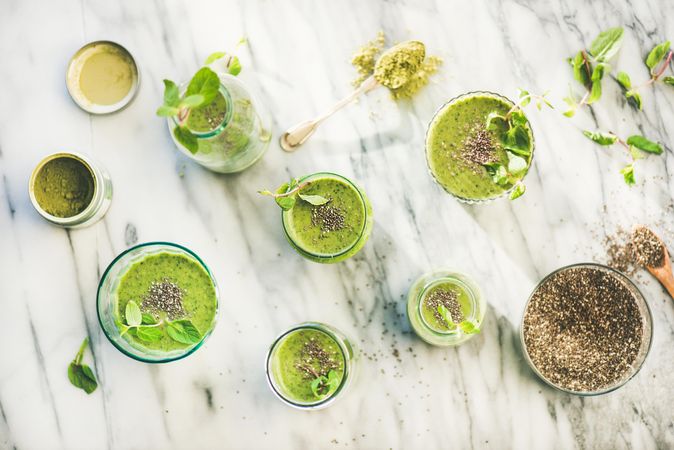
(480, 395)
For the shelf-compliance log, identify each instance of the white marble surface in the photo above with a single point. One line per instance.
(480, 395)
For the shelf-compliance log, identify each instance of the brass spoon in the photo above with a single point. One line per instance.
(664, 273)
(393, 69)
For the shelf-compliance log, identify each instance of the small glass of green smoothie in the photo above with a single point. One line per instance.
(445, 308)
(157, 302)
(475, 155)
(310, 365)
(334, 231)
(70, 190)
(232, 131)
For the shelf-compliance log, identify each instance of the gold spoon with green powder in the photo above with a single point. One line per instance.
(393, 69)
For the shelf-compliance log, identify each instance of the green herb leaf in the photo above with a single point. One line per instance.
(333, 382)
(149, 334)
(234, 67)
(597, 75)
(206, 83)
(495, 120)
(446, 316)
(214, 57)
(624, 80)
(517, 165)
(171, 94)
(525, 97)
(607, 44)
(656, 55)
(81, 375)
(468, 327)
(148, 319)
(317, 385)
(581, 69)
(498, 172)
(315, 200)
(286, 203)
(518, 118)
(634, 98)
(573, 106)
(628, 174)
(517, 191)
(167, 111)
(601, 138)
(133, 314)
(668, 80)
(644, 144)
(183, 331)
(185, 137)
(192, 101)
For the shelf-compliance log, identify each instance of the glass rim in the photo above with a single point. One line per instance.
(465, 286)
(91, 167)
(190, 350)
(428, 129)
(647, 317)
(363, 201)
(334, 335)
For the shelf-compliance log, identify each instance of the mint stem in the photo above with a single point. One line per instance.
(290, 192)
(80, 353)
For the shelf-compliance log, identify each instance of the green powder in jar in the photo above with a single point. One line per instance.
(64, 187)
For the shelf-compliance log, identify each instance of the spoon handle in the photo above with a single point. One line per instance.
(298, 134)
(668, 283)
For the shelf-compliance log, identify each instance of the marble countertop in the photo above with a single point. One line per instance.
(408, 394)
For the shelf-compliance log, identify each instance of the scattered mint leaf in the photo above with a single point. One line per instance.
(214, 57)
(317, 385)
(206, 83)
(171, 94)
(525, 97)
(183, 331)
(133, 314)
(518, 191)
(581, 68)
(607, 44)
(668, 80)
(234, 67)
(656, 55)
(636, 153)
(601, 138)
(634, 98)
(644, 144)
(624, 80)
(573, 106)
(315, 200)
(167, 111)
(81, 375)
(185, 137)
(149, 333)
(628, 174)
(192, 101)
(148, 319)
(468, 327)
(597, 75)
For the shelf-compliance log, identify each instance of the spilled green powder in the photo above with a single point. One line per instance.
(64, 187)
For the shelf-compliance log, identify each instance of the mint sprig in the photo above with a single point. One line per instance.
(81, 375)
(287, 194)
(147, 328)
(466, 326)
(657, 62)
(636, 146)
(323, 386)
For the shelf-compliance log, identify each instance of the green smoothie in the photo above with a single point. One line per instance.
(64, 186)
(453, 297)
(168, 287)
(303, 356)
(334, 231)
(461, 151)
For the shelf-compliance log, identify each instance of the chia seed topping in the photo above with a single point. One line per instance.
(479, 147)
(328, 217)
(164, 297)
(315, 360)
(448, 299)
(648, 248)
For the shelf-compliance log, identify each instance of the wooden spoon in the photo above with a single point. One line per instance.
(664, 273)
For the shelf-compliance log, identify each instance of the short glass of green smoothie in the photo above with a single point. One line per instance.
(310, 365)
(465, 151)
(157, 302)
(334, 231)
(232, 131)
(445, 308)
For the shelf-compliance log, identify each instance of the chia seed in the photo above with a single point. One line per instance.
(328, 218)
(479, 147)
(164, 297)
(647, 247)
(315, 360)
(448, 299)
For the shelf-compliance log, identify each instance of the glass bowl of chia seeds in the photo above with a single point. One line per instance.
(586, 329)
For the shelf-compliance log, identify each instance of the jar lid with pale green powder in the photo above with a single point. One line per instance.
(102, 77)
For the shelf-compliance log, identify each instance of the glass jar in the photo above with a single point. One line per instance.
(240, 139)
(107, 302)
(100, 201)
(348, 250)
(469, 297)
(273, 365)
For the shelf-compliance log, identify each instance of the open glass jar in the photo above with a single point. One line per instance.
(232, 132)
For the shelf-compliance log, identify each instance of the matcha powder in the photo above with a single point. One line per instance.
(64, 187)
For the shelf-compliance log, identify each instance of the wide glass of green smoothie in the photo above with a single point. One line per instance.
(310, 365)
(334, 231)
(157, 302)
(445, 308)
(232, 131)
(468, 153)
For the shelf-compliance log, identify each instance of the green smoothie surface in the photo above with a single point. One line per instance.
(299, 357)
(208, 117)
(454, 129)
(327, 229)
(198, 302)
(64, 187)
(453, 296)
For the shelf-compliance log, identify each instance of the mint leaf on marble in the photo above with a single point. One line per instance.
(171, 94)
(214, 57)
(517, 191)
(81, 375)
(468, 327)
(183, 331)
(132, 314)
(601, 138)
(606, 44)
(644, 144)
(656, 55)
(628, 174)
(668, 80)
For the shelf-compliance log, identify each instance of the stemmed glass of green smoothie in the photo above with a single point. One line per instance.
(479, 146)
(326, 217)
(157, 302)
(310, 365)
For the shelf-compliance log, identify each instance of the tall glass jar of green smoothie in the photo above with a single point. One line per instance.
(232, 131)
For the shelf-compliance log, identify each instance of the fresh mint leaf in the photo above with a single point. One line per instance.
(148, 333)
(183, 331)
(668, 80)
(171, 94)
(317, 386)
(167, 111)
(516, 165)
(518, 118)
(81, 375)
(581, 68)
(315, 200)
(517, 192)
(192, 101)
(206, 83)
(185, 137)
(468, 327)
(499, 174)
(446, 316)
(607, 44)
(644, 144)
(634, 98)
(601, 138)
(624, 80)
(597, 75)
(148, 319)
(234, 67)
(573, 106)
(495, 120)
(525, 97)
(286, 203)
(333, 382)
(133, 314)
(214, 57)
(628, 174)
(656, 55)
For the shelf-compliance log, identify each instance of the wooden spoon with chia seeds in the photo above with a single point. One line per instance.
(393, 69)
(652, 253)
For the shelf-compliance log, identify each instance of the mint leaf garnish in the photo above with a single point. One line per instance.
(206, 83)
(148, 333)
(133, 314)
(323, 386)
(183, 331)
(81, 375)
(214, 57)
(446, 316)
(186, 138)
(171, 94)
(286, 195)
(468, 327)
(148, 319)
(315, 200)
(517, 191)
